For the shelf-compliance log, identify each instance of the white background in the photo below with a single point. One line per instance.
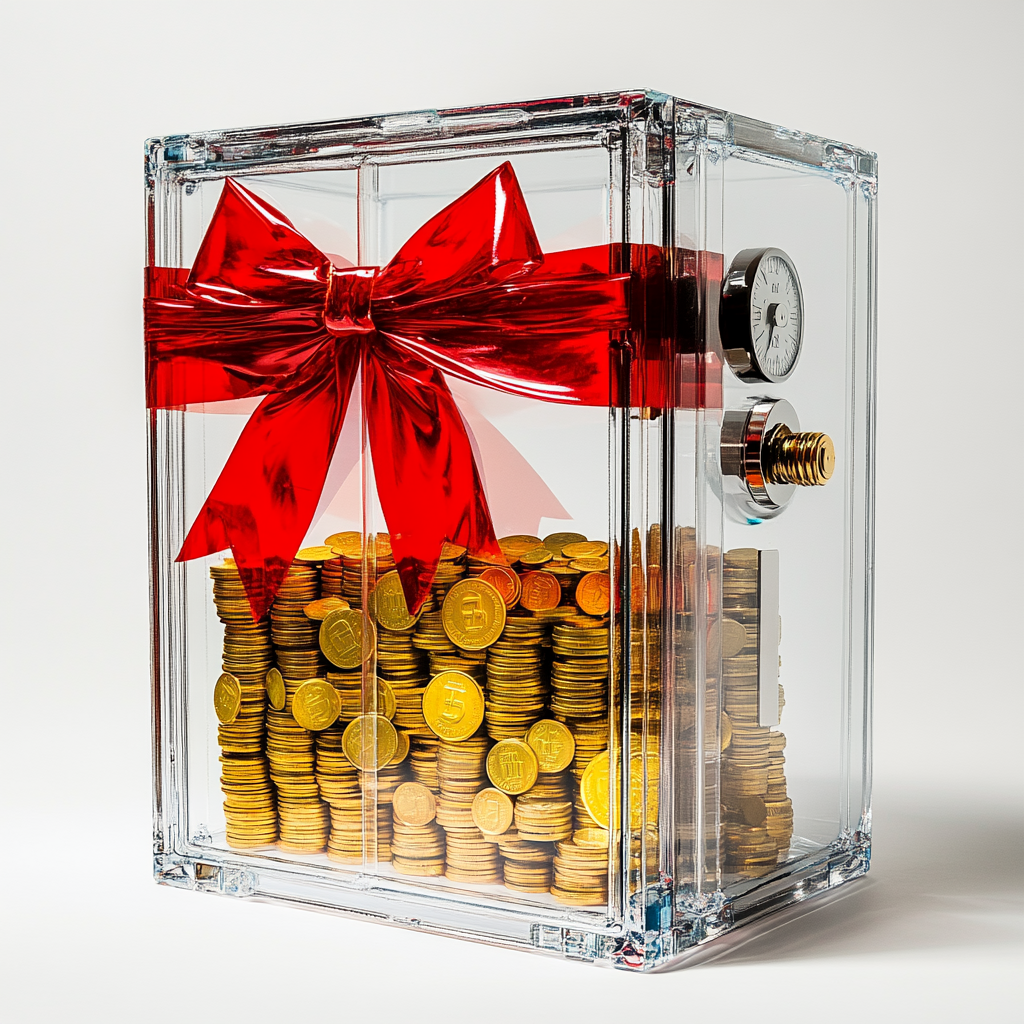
(935, 89)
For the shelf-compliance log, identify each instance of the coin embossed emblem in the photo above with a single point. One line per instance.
(227, 698)
(389, 603)
(541, 591)
(492, 812)
(316, 705)
(342, 638)
(593, 593)
(512, 766)
(453, 705)
(369, 742)
(473, 614)
(553, 744)
(414, 804)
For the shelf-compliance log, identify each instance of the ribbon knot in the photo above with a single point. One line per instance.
(470, 294)
(347, 304)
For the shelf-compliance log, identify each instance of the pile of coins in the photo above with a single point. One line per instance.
(757, 814)
(250, 807)
(418, 847)
(479, 749)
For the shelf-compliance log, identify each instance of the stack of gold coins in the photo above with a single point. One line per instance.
(470, 856)
(339, 785)
(563, 564)
(543, 821)
(333, 569)
(579, 695)
(516, 690)
(527, 866)
(544, 813)
(461, 772)
(423, 761)
(350, 690)
(293, 632)
(450, 569)
(369, 742)
(249, 806)
(331, 573)
(336, 776)
(749, 849)
(399, 663)
(746, 764)
(419, 844)
(392, 775)
(778, 806)
(352, 564)
(581, 869)
(240, 702)
(429, 635)
(346, 843)
(455, 662)
(291, 748)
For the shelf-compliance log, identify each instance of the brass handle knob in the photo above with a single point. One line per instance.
(805, 458)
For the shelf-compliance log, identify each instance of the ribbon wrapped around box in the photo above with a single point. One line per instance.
(263, 312)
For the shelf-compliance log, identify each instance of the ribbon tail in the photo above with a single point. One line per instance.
(265, 497)
(427, 479)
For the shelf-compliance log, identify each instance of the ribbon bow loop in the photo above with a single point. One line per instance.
(263, 312)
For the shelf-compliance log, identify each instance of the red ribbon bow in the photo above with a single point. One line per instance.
(263, 312)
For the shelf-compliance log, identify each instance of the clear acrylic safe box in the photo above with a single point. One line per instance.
(511, 506)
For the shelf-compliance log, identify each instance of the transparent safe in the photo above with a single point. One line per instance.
(511, 516)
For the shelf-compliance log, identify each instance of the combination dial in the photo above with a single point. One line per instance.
(761, 317)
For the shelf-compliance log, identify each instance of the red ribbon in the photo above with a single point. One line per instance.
(263, 312)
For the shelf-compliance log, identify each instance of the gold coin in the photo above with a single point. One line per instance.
(346, 537)
(592, 838)
(596, 564)
(473, 614)
(227, 698)
(541, 592)
(585, 549)
(316, 705)
(593, 593)
(450, 551)
(734, 637)
(492, 812)
(518, 544)
(638, 806)
(414, 804)
(555, 542)
(536, 556)
(349, 543)
(369, 742)
(453, 705)
(342, 638)
(505, 581)
(318, 554)
(389, 603)
(274, 684)
(726, 730)
(320, 609)
(512, 766)
(553, 744)
(595, 788)
(403, 749)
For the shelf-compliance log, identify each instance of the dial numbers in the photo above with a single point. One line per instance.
(761, 315)
(775, 321)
